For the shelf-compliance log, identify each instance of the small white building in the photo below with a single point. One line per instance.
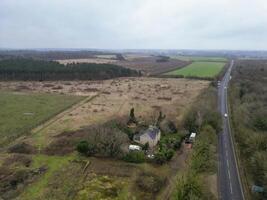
(192, 137)
(134, 147)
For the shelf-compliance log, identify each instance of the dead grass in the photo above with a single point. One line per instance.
(112, 98)
(100, 60)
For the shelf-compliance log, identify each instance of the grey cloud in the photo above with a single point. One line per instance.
(200, 24)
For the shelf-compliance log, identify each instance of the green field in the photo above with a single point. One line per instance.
(201, 58)
(19, 112)
(199, 69)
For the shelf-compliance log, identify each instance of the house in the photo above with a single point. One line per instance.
(150, 136)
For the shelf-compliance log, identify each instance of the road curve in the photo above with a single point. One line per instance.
(230, 187)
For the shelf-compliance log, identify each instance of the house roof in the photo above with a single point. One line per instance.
(151, 132)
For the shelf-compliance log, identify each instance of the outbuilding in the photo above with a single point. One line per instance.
(134, 147)
(192, 137)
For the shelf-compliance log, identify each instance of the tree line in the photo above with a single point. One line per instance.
(248, 95)
(40, 70)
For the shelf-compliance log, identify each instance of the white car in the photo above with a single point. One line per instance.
(225, 115)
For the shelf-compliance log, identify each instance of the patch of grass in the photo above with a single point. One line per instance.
(199, 69)
(53, 164)
(102, 187)
(20, 112)
(201, 58)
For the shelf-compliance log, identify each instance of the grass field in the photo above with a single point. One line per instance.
(21, 112)
(201, 58)
(199, 69)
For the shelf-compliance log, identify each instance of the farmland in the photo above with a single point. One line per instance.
(149, 65)
(199, 69)
(20, 112)
(201, 59)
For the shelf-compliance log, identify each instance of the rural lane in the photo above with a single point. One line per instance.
(230, 187)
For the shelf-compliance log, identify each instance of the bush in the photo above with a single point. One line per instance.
(135, 157)
(82, 147)
(146, 146)
(86, 148)
(260, 123)
(213, 119)
(188, 187)
(149, 182)
(190, 121)
(160, 157)
(164, 155)
(169, 154)
(171, 141)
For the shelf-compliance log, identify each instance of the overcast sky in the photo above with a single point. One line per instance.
(134, 24)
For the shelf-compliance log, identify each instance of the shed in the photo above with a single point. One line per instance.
(134, 147)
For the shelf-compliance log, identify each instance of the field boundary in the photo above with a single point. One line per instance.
(59, 115)
(176, 68)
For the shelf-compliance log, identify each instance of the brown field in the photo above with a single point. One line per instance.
(150, 65)
(131, 57)
(99, 60)
(114, 98)
(111, 56)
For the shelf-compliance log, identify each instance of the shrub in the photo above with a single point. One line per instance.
(213, 119)
(177, 144)
(160, 157)
(149, 182)
(190, 123)
(260, 123)
(169, 154)
(188, 187)
(82, 147)
(135, 157)
(171, 141)
(146, 146)
(86, 148)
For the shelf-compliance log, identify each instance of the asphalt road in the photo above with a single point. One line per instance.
(229, 181)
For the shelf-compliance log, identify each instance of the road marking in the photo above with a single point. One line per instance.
(229, 174)
(231, 188)
(227, 163)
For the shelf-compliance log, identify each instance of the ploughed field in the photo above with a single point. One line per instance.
(41, 174)
(199, 69)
